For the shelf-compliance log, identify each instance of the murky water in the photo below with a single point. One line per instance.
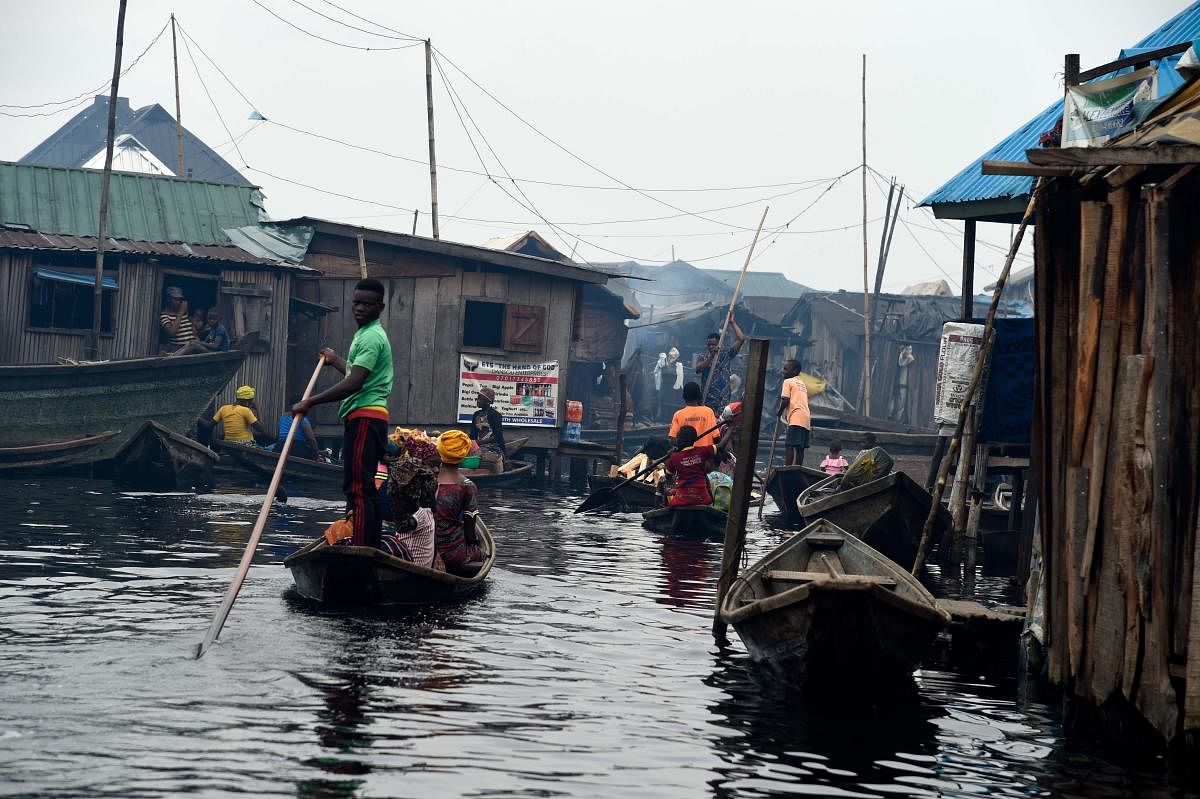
(586, 669)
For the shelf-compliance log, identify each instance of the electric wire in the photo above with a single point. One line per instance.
(355, 27)
(236, 147)
(371, 21)
(327, 40)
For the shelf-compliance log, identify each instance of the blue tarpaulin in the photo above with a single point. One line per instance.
(74, 277)
(1008, 404)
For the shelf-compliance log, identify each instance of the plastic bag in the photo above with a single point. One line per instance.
(871, 464)
(721, 485)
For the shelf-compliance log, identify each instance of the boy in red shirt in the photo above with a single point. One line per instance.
(689, 464)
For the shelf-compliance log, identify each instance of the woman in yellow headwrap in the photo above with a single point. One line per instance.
(236, 421)
(455, 506)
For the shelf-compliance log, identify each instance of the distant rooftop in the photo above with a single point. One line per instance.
(760, 284)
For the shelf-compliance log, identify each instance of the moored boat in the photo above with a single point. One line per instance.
(51, 453)
(158, 459)
(515, 472)
(887, 513)
(72, 400)
(693, 521)
(636, 494)
(260, 464)
(825, 604)
(785, 484)
(350, 575)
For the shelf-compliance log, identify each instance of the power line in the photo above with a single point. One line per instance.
(85, 97)
(187, 48)
(371, 21)
(327, 40)
(355, 27)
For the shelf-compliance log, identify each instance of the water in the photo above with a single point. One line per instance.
(587, 669)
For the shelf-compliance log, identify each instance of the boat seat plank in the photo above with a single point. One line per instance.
(818, 541)
(785, 576)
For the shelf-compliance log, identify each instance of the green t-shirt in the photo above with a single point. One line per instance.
(370, 350)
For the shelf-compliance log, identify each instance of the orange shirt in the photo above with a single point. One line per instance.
(796, 394)
(700, 417)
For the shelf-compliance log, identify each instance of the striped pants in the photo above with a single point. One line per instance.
(362, 449)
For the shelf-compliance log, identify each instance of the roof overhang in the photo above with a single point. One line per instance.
(1007, 210)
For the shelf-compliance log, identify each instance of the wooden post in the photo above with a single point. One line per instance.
(362, 256)
(866, 379)
(416, 213)
(958, 492)
(178, 111)
(621, 409)
(971, 538)
(743, 477)
(885, 247)
(976, 376)
(1071, 69)
(433, 201)
(968, 271)
(102, 228)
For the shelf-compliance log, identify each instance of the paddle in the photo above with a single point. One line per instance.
(603, 496)
(770, 466)
(214, 629)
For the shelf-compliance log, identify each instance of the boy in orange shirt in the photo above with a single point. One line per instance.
(793, 409)
(700, 417)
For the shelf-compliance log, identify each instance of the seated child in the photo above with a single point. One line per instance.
(834, 463)
(689, 464)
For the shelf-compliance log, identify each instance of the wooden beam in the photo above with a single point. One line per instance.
(1168, 154)
(1024, 168)
(1132, 61)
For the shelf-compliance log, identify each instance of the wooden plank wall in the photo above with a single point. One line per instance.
(423, 319)
(1118, 405)
(267, 372)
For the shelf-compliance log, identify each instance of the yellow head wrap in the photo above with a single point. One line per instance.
(245, 392)
(453, 446)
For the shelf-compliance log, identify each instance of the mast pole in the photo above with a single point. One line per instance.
(178, 113)
(866, 267)
(433, 201)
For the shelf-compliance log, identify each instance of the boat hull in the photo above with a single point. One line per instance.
(50, 454)
(825, 605)
(365, 576)
(156, 459)
(888, 513)
(636, 494)
(785, 485)
(691, 521)
(117, 396)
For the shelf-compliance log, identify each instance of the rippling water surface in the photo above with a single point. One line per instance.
(586, 669)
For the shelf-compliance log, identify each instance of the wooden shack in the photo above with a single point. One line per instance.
(1117, 423)
(444, 300)
(164, 231)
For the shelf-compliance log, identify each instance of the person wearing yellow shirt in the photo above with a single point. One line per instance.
(239, 422)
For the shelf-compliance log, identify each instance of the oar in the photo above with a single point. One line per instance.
(214, 629)
(770, 466)
(604, 495)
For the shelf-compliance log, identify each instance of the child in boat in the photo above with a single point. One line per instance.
(408, 527)
(834, 463)
(696, 415)
(455, 506)
(689, 464)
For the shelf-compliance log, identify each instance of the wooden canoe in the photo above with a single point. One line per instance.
(634, 495)
(887, 513)
(785, 484)
(158, 459)
(515, 472)
(691, 521)
(365, 576)
(825, 605)
(261, 464)
(89, 398)
(513, 446)
(52, 453)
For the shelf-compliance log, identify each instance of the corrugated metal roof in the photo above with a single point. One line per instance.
(970, 185)
(33, 240)
(760, 284)
(64, 200)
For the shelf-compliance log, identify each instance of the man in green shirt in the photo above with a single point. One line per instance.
(363, 394)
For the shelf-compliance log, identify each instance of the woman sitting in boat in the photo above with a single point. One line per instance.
(238, 422)
(689, 464)
(455, 506)
(304, 442)
(408, 526)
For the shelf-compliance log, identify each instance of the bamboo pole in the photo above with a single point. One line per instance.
(866, 403)
(743, 477)
(102, 228)
(770, 466)
(732, 302)
(971, 536)
(984, 353)
(218, 621)
(433, 198)
(958, 491)
(362, 256)
(178, 110)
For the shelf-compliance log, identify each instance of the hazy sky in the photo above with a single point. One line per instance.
(683, 95)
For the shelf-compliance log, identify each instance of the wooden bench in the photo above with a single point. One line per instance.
(781, 576)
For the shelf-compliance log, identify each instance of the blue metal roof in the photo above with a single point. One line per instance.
(970, 185)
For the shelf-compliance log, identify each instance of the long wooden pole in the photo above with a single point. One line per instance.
(433, 201)
(102, 227)
(770, 466)
(218, 621)
(178, 109)
(866, 267)
(362, 257)
(985, 352)
(732, 302)
(743, 477)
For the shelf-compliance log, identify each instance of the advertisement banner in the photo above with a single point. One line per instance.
(961, 344)
(1098, 111)
(526, 393)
